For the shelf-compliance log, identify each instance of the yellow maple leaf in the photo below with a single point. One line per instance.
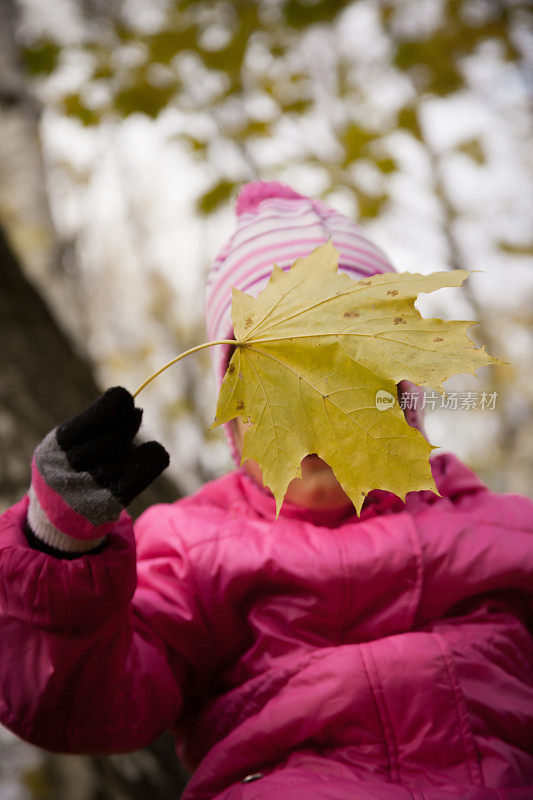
(313, 351)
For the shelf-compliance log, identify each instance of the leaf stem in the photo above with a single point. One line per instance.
(182, 355)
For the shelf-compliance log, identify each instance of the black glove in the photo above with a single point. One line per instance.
(86, 471)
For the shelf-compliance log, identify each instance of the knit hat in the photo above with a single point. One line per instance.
(275, 224)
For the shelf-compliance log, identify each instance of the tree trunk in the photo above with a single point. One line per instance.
(43, 381)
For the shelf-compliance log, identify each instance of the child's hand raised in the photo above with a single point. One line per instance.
(87, 470)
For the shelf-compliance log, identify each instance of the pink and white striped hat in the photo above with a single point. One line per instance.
(275, 224)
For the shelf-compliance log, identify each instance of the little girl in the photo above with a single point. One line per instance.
(323, 655)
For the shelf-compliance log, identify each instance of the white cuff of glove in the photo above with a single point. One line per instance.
(50, 535)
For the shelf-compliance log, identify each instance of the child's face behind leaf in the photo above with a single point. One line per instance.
(317, 488)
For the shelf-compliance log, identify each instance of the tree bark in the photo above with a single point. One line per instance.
(43, 381)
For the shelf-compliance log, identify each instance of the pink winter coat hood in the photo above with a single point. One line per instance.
(321, 655)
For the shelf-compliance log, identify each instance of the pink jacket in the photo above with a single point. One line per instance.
(381, 657)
